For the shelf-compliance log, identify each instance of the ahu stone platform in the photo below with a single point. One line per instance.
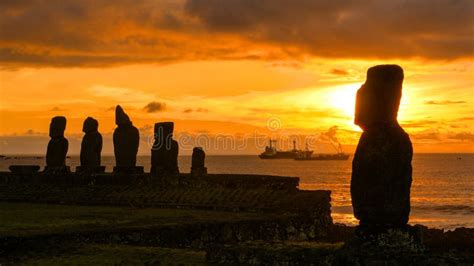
(220, 192)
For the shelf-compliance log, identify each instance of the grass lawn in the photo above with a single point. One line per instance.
(26, 219)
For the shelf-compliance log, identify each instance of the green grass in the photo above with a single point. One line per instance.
(26, 219)
(105, 254)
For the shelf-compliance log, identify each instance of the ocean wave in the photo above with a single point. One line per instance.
(450, 208)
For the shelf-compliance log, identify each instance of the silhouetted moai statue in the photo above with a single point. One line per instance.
(164, 153)
(57, 147)
(91, 148)
(381, 169)
(126, 141)
(197, 164)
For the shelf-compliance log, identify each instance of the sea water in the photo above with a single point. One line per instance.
(442, 193)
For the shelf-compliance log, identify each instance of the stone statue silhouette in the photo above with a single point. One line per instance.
(91, 145)
(58, 145)
(198, 162)
(381, 169)
(126, 140)
(164, 154)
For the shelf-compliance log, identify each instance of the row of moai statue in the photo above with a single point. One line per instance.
(126, 139)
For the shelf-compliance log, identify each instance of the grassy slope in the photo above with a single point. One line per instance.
(26, 219)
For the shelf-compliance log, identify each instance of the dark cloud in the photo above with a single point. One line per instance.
(101, 33)
(330, 135)
(339, 72)
(463, 136)
(444, 102)
(302, 112)
(57, 109)
(426, 135)
(154, 107)
(419, 123)
(431, 29)
(197, 110)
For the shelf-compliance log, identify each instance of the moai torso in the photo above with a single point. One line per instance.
(198, 162)
(198, 158)
(126, 140)
(58, 145)
(91, 145)
(381, 169)
(164, 153)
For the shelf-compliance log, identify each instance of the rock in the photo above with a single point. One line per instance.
(197, 163)
(381, 169)
(164, 153)
(58, 145)
(91, 146)
(24, 169)
(126, 140)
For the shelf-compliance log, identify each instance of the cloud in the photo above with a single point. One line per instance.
(197, 110)
(57, 109)
(92, 33)
(463, 136)
(330, 135)
(31, 132)
(426, 135)
(339, 72)
(154, 107)
(419, 123)
(444, 102)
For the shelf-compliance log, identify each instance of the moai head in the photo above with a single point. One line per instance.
(57, 126)
(121, 118)
(378, 99)
(164, 131)
(90, 125)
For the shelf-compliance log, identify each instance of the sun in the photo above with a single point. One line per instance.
(343, 98)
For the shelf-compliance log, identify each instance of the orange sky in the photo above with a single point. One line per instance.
(231, 70)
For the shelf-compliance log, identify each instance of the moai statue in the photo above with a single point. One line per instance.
(126, 141)
(197, 163)
(164, 153)
(381, 169)
(91, 148)
(57, 147)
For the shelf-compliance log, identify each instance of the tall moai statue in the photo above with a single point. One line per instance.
(164, 153)
(126, 141)
(198, 162)
(57, 147)
(381, 169)
(91, 147)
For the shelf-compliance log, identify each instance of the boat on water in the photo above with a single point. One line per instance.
(271, 152)
(324, 157)
(308, 156)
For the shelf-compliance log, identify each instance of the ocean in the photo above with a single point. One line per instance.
(442, 194)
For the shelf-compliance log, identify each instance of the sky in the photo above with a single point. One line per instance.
(231, 74)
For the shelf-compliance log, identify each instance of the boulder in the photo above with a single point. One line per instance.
(381, 168)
